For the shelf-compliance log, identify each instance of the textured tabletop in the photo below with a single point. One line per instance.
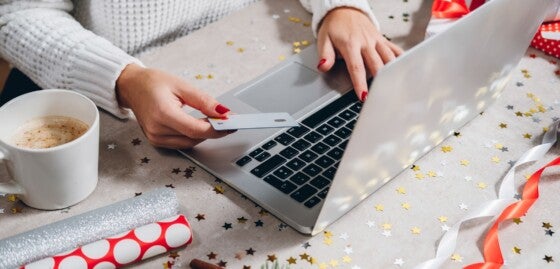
(399, 226)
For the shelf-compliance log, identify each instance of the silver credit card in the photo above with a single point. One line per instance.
(253, 121)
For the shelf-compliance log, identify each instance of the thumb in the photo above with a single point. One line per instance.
(326, 52)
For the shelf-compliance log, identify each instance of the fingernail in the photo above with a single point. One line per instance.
(321, 62)
(222, 109)
(364, 96)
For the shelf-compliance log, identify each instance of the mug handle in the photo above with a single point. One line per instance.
(11, 186)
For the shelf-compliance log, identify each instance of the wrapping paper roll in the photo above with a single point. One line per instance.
(88, 227)
(129, 247)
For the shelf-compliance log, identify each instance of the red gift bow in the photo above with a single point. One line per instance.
(453, 9)
(493, 258)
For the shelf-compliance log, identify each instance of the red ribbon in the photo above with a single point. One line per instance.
(453, 9)
(492, 254)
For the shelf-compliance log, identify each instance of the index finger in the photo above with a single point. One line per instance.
(356, 69)
(192, 127)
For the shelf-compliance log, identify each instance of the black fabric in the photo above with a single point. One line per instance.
(17, 84)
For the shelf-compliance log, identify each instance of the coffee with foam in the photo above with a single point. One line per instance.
(48, 132)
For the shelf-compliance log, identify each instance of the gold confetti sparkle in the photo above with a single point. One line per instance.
(481, 185)
(516, 250)
(229, 43)
(446, 149)
(401, 190)
(464, 162)
(379, 207)
(405, 206)
(415, 230)
(442, 219)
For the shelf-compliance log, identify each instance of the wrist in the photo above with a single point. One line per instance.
(124, 83)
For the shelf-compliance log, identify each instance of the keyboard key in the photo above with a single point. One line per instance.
(312, 170)
(263, 156)
(284, 139)
(256, 152)
(356, 107)
(313, 137)
(301, 145)
(343, 132)
(326, 112)
(324, 161)
(351, 124)
(289, 152)
(284, 186)
(303, 193)
(320, 148)
(312, 202)
(243, 161)
(332, 140)
(308, 156)
(296, 164)
(283, 172)
(267, 166)
(336, 122)
(299, 178)
(298, 131)
(329, 173)
(343, 144)
(270, 144)
(323, 193)
(347, 115)
(320, 182)
(336, 153)
(325, 129)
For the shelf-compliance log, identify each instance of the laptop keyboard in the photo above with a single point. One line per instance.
(302, 161)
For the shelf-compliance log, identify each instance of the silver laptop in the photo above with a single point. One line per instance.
(343, 150)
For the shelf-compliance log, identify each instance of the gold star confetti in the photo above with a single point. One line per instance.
(297, 50)
(328, 241)
(446, 149)
(519, 114)
(546, 225)
(499, 146)
(305, 42)
(528, 114)
(312, 260)
(240, 50)
(405, 206)
(415, 230)
(327, 234)
(517, 220)
(271, 258)
(456, 258)
(442, 219)
(432, 174)
(503, 125)
(527, 135)
(12, 198)
(219, 189)
(346, 259)
(386, 226)
(281, 57)
(379, 207)
(291, 260)
(495, 159)
(545, 129)
(401, 190)
(210, 76)
(304, 256)
(296, 44)
(419, 176)
(199, 76)
(229, 43)
(464, 162)
(306, 24)
(415, 167)
(294, 19)
(516, 250)
(481, 185)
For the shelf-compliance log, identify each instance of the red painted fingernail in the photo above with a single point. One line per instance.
(321, 62)
(364, 96)
(222, 109)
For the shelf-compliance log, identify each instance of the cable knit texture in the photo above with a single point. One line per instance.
(84, 45)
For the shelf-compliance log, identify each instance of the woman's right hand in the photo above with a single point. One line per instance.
(156, 99)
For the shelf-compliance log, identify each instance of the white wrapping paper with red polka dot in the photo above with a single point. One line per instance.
(126, 248)
(547, 39)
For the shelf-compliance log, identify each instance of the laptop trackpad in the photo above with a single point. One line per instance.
(288, 89)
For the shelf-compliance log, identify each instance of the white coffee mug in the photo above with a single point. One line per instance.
(57, 177)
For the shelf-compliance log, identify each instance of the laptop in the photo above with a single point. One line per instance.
(343, 151)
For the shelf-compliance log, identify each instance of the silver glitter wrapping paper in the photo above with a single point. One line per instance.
(67, 234)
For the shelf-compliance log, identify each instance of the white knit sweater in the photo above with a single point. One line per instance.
(83, 45)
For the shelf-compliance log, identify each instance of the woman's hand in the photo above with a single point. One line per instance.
(156, 99)
(350, 33)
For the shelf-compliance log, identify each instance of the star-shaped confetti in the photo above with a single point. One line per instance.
(456, 258)
(446, 148)
(549, 232)
(200, 217)
(546, 225)
(218, 189)
(112, 146)
(227, 226)
(399, 262)
(145, 160)
(517, 220)
(250, 251)
(241, 220)
(176, 171)
(527, 135)
(516, 250)
(379, 207)
(136, 141)
(401, 190)
(212, 256)
(481, 185)
(415, 230)
(405, 206)
(259, 223)
(291, 260)
(503, 125)
(386, 226)
(464, 162)
(442, 219)
(548, 259)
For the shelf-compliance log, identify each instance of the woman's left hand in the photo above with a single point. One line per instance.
(351, 34)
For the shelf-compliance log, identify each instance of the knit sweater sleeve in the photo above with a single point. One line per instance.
(320, 8)
(46, 43)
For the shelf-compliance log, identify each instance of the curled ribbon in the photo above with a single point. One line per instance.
(492, 254)
(453, 9)
(492, 208)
